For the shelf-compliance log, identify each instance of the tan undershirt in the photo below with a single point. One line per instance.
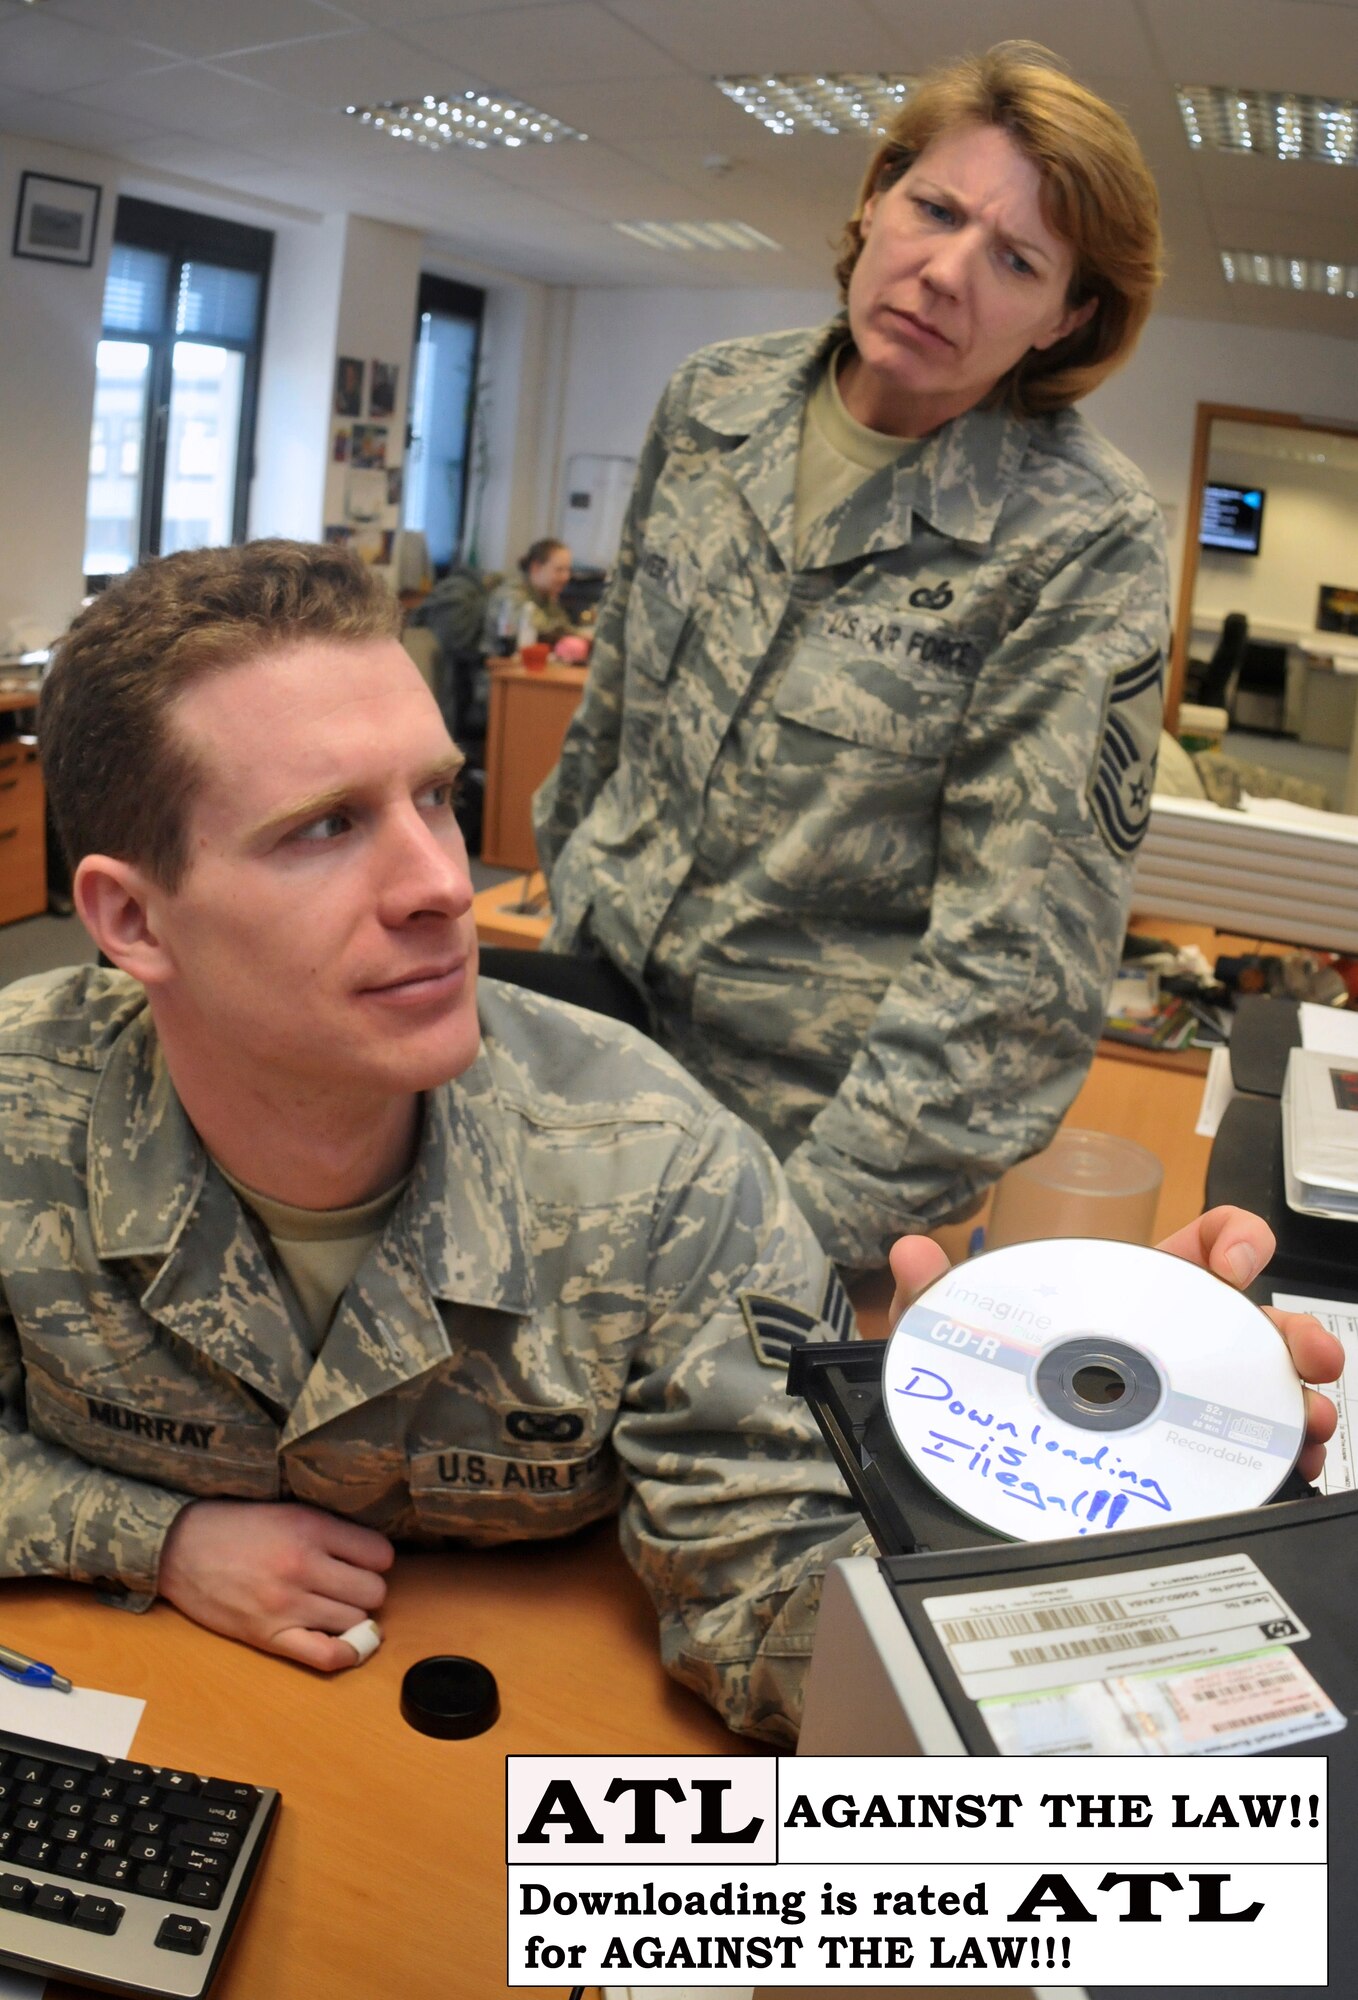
(837, 454)
(319, 1248)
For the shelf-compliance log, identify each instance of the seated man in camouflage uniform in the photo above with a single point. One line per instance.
(301, 1253)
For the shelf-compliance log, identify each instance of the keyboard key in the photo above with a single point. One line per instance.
(100, 1787)
(34, 1853)
(142, 1849)
(177, 1781)
(153, 1879)
(28, 1772)
(64, 1779)
(15, 1892)
(97, 1913)
(213, 1812)
(199, 1861)
(69, 1833)
(77, 1861)
(29, 1822)
(54, 1903)
(110, 1815)
(115, 1870)
(154, 1825)
(130, 1774)
(182, 1934)
(105, 1839)
(37, 1796)
(221, 1839)
(140, 1798)
(240, 1795)
(202, 1890)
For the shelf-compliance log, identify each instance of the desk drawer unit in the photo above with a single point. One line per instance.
(23, 851)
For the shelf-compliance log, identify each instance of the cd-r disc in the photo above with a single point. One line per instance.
(1074, 1386)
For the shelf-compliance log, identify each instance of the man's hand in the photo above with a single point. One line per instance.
(281, 1576)
(1231, 1243)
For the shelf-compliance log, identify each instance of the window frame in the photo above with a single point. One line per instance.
(185, 237)
(452, 299)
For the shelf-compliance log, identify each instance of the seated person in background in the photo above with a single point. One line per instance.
(308, 1245)
(533, 598)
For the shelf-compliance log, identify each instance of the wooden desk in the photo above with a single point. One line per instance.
(571, 1639)
(23, 831)
(529, 714)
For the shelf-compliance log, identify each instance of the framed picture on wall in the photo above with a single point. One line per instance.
(57, 219)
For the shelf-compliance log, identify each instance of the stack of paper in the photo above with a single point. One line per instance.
(1320, 1134)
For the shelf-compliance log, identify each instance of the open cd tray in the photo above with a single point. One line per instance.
(842, 1382)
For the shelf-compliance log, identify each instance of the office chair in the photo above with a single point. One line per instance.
(1217, 684)
(1260, 695)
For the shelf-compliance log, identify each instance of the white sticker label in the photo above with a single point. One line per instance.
(1264, 1701)
(1040, 1636)
(1340, 1473)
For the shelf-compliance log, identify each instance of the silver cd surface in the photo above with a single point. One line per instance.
(1072, 1387)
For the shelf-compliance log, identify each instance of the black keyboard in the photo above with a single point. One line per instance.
(122, 1876)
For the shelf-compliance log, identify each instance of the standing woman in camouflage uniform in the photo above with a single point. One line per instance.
(866, 752)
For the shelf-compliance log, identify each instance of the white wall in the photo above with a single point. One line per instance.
(296, 379)
(50, 317)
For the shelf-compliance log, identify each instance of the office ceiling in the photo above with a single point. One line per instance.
(247, 95)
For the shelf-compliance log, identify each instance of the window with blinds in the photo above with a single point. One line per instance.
(175, 387)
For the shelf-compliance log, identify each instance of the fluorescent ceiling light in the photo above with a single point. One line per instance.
(476, 118)
(1290, 274)
(698, 235)
(1280, 125)
(829, 104)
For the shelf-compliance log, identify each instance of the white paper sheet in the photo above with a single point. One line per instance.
(1341, 1453)
(84, 1719)
(1331, 1030)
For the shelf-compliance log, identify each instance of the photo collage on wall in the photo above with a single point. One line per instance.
(368, 493)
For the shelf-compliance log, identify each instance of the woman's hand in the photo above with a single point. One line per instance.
(1231, 1243)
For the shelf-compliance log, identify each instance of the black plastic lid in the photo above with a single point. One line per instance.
(447, 1695)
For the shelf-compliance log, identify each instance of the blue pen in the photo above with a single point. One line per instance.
(31, 1673)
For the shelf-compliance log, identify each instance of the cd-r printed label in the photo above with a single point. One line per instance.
(1263, 1701)
(1032, 1638)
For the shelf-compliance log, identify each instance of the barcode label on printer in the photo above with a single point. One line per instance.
(1267, 1701)
(1172, 1616)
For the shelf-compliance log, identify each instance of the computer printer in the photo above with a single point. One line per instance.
(881, 1681)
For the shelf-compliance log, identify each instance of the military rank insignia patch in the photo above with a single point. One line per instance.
(1120, 790)
(776, 1327)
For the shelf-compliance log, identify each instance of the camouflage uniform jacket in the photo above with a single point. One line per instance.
(584, 1294)
(863, 829)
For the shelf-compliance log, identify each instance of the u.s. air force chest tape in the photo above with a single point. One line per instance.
(496, 1493)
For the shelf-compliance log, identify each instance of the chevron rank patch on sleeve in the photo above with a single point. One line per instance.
(1120, 792)
(776, 1326)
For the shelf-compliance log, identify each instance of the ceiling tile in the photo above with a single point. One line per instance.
(1305, 45)
(202, 27)
(1107, 37)
(359, 66)
(717, 37)
(185, 98)
(40, 52)
(577, 41)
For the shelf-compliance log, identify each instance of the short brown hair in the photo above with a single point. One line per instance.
(1097, 194)
(119, 779)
